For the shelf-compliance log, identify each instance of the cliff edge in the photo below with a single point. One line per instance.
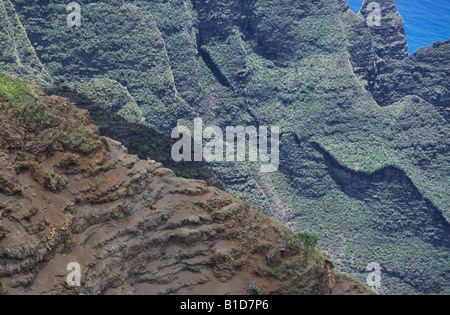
(68, 195)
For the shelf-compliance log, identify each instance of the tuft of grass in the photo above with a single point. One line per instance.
(82, 138)
(309, 241)
(18, 94)
(14, 90)
(3, 290)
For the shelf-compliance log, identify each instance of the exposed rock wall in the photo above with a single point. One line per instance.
(132, 225)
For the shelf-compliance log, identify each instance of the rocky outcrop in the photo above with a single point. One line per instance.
(375, 37)
(134, 52)
(424, 74)
(389, 40)
(132, 225)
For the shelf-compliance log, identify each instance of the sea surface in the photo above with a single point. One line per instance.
(426, 21)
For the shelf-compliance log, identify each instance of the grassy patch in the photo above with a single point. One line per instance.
(82, 138)
(19, 96)
(3, 290)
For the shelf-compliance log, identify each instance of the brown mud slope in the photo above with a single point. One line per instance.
(68, 195)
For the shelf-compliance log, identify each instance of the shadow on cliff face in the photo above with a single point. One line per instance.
(409, 212)
(381, 216)
(140, 140)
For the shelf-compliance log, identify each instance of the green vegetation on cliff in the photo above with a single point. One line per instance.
(20, 96)
(23, 97)
(109, 95)
(17, 55)
(364, 144)
(14, 91)
(117, 41)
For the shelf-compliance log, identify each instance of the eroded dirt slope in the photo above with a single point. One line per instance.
(68, 195)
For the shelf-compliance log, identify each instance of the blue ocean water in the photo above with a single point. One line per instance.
(426, 21)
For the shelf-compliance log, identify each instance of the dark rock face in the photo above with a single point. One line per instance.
(389, 40)
(322, 74)
(145, 72)
(425, 74)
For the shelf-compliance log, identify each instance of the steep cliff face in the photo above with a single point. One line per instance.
(68, 195)
(338, 88)
(17, 54)
(139, 139)
(375, 37)
(389, 40)
(132, 52)
(110, 96)
(425, 74)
